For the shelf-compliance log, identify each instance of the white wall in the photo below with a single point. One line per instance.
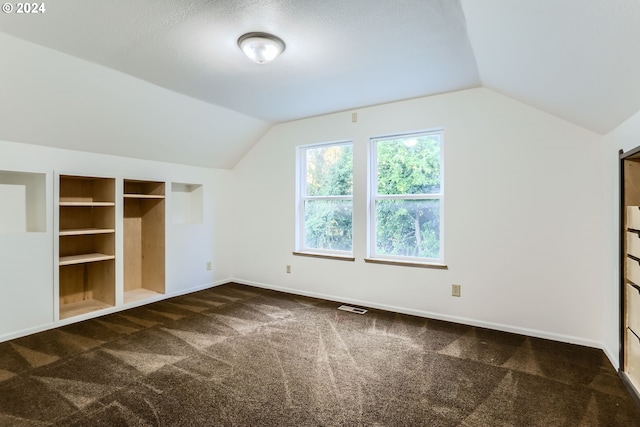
(523, 218)
(26, 259)
(53, 99)
(625, 137)
(524, 232)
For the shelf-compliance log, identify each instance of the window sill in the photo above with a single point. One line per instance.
(325, 256)
(407, 263)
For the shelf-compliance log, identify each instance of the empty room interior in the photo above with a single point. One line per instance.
(180, 220)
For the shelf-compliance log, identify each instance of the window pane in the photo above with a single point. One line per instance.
(330, 170)
(409, 165)
(408, 228)
(328, 224)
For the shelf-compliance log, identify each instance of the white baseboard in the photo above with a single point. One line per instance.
(110, 310)
(612, 356)
(198, 288)
(439, 316)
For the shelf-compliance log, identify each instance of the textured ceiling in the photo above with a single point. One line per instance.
(339, 55)
(576, 59)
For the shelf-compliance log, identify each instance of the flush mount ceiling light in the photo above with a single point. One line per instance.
(261, 47)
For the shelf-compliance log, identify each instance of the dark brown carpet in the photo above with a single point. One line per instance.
(241, 356)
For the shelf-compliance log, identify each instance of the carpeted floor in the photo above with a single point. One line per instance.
(241, 356)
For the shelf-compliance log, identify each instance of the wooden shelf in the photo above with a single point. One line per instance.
(84, 258)
(139, 294)
(87, 204)
(144, 196)
(86, 231)
(81, 307)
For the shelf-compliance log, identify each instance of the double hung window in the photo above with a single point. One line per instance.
(325, 198)
(405, 195)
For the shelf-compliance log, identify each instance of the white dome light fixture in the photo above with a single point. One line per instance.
(261, 47)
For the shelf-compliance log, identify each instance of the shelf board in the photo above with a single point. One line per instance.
(81, 307)
(139, 294)
(87, 204)
(144, 196)
(84, 258)
(85, 231)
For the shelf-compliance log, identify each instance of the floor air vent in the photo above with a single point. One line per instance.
(352, 309)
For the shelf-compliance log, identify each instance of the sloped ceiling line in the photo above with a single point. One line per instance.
(165, 79)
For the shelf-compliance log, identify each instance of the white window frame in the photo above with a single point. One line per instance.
(302, 197)
(373, 196)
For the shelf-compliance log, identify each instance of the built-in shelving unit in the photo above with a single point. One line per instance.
(630, 269)
(86, 264)
(144, 239)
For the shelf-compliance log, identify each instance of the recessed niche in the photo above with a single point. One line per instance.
(186, 203)
(23, 206)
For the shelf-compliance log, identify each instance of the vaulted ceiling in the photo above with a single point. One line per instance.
(576, 59)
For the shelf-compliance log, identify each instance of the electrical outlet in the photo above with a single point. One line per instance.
(288, 269)
(455, 290)
(354, 117)
(208, 265)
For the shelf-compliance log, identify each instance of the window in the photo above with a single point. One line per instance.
(405, 208)
(325, 199)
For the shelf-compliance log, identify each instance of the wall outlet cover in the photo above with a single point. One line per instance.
(455, 290)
